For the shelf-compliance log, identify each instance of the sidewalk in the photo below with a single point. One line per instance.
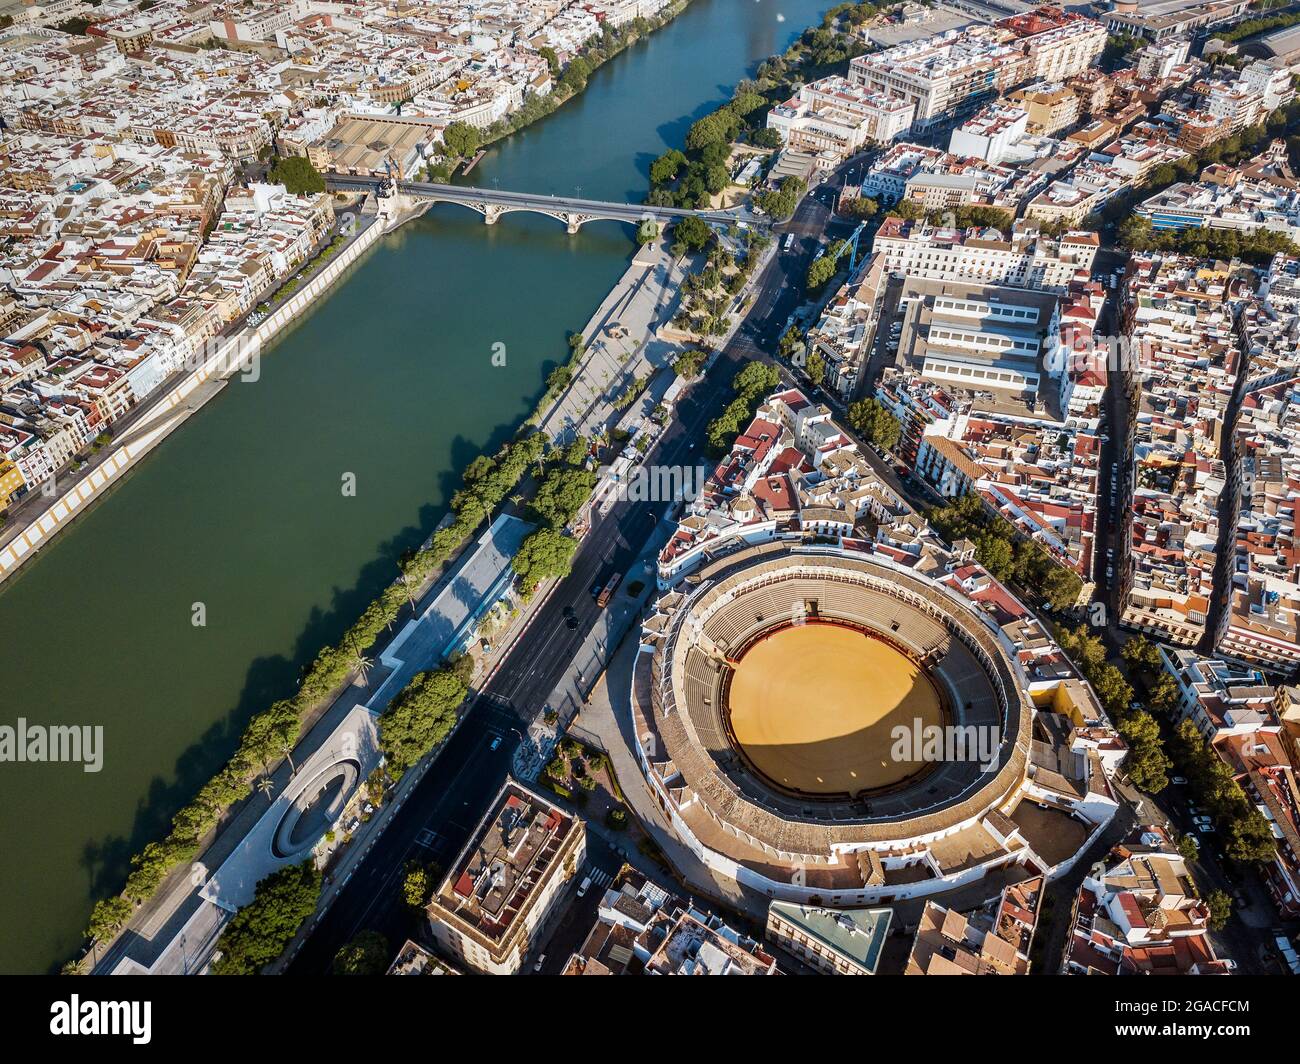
(620, 343)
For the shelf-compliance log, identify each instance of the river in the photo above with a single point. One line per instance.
(389, 379)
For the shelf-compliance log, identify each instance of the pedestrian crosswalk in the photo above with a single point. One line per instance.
(600, 878)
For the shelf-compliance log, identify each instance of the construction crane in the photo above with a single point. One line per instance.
(850, 245)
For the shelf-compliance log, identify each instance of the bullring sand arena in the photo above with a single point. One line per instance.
(814, 706)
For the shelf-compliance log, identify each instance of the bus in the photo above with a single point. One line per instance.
(607, 592)
(789, 241)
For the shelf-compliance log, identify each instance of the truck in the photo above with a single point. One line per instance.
(607, 592)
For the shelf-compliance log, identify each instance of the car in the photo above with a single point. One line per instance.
(571, 623)
(1204, 829)
(596, 589)
(496, 743)
(1202, 820)
(540, 961)
(1135, 706)
(1178, 781)
(585, 886)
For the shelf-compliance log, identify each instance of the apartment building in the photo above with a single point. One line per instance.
(993, 940)
(831, 941)
(1050, 107)
(833, 119)
(943, 76)
(642, 929)
(506, 881)
(1139, 914)
(1221, 697)
(1022, 258)
(991, 134)
(1177, 333)
(1261, 624)
(956, 72)
(1041, 477)
(1059, 44)
(846, 332)
(1264, 765)
(1225, 198)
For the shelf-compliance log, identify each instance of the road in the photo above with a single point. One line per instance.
(439, 816)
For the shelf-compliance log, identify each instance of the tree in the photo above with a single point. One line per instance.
(750, 384)
(815, 367)
(1146, 763)
(259, 932)
(719, 127)
(367, 954)
(995, 554)
(1163, 696)
(1140, 652)
(875, 423)
(780, 203)
(755, 379)
(792, 343)
(1250, 838)
(820, 271)
(692, 233)
(460, 138)
(562, 494)
(689, 363)
(552, 60)
(765, 138)
(744, 103)
(665, 168)
(858, 208)
(416, 885)
(107, 918)
(297, 175)
(422, 714)
(574, 78)
(544, 554)
(1220, 909)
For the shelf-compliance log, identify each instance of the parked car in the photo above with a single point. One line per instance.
(1178, 781)
(496, 742)
(584, 886)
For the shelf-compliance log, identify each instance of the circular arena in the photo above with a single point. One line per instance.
(782, 706)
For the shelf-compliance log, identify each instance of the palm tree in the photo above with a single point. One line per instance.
(363, 663)
(406, 588)
(266, 787)
(286, 748)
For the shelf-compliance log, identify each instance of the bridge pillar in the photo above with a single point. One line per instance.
(575, 221)
(491, 212)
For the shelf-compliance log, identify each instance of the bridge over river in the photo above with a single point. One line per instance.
(573, 212)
